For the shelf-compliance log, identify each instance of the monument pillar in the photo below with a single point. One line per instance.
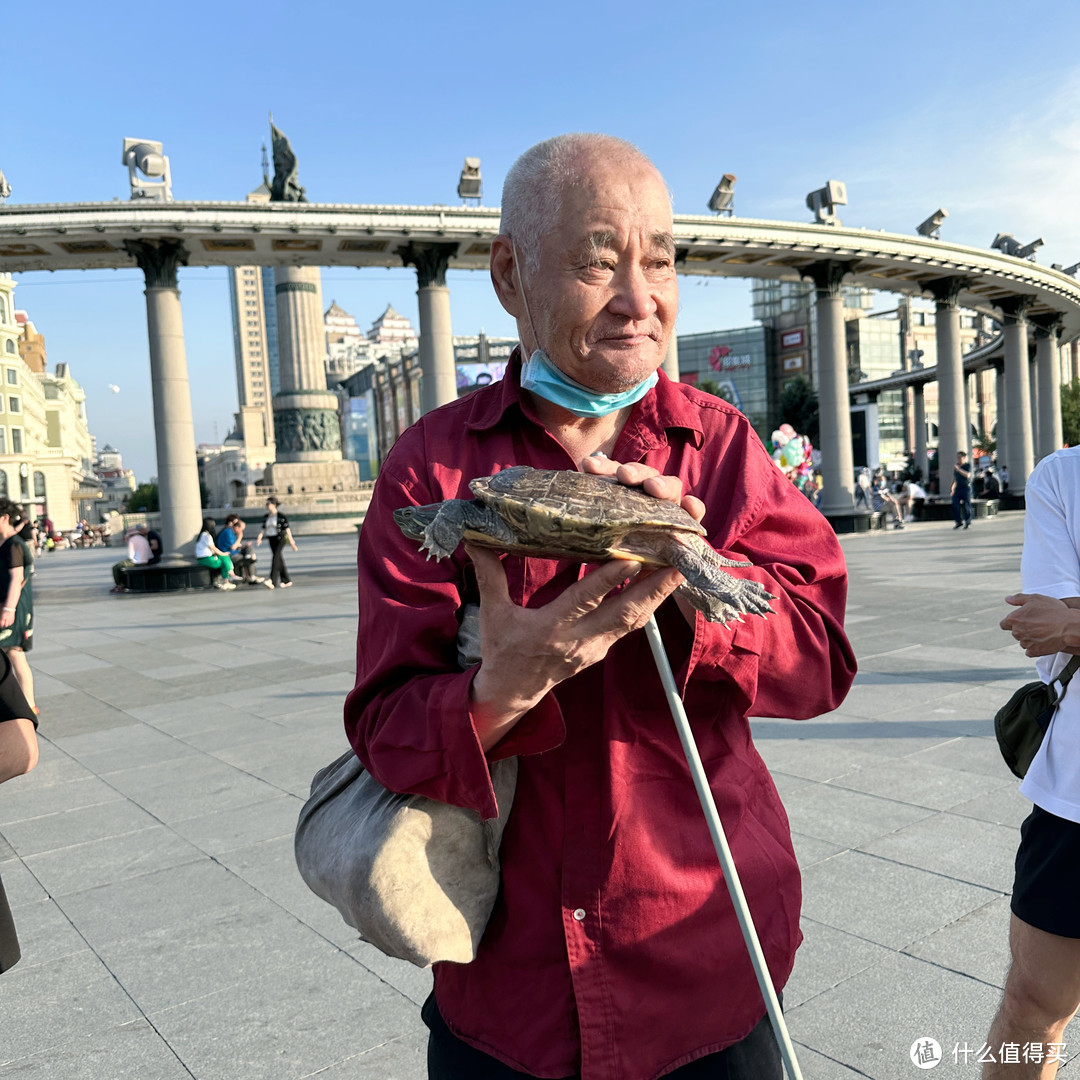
(174, 428)
(1048, 376)
(439, 377)
(306, 427)
(671, 360)
(952, 404)
(834, 402)
(1019, 439)
(1000, 434)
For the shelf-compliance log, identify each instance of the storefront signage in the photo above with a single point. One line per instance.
(791, 339)
(723, 359)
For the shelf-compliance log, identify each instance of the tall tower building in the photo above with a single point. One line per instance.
(255, 342)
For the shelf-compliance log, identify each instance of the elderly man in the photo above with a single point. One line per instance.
(614, 949)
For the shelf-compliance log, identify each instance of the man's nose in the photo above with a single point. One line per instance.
(633, 296)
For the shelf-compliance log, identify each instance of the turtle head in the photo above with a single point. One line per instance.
(413, 521)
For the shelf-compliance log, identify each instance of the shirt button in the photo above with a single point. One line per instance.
(579, 914)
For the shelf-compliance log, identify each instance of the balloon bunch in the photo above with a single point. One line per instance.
(793, 455)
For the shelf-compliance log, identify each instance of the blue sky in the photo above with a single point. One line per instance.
(971, 106)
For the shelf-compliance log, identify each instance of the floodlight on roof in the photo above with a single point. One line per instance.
(1070, 270)
(826, 199)
(1028, 250)
(931, 227)
(144, 156)
(724, 195)
(470, 184)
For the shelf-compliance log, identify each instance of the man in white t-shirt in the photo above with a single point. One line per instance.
(1042, 990)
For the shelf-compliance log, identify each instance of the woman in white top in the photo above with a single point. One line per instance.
(207, 553)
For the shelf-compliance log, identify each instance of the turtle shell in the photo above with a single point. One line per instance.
(570, 512)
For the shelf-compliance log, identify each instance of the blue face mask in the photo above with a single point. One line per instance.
(541, 377)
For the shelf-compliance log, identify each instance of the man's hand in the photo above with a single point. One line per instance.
(650, 480)
(528, 651)
(1043, 625)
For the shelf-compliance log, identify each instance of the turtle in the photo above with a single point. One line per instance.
(561, 514)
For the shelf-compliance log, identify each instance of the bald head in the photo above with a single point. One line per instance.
(533, 190)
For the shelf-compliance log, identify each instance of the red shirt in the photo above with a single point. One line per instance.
(613, 950)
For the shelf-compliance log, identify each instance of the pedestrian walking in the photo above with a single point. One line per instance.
(275, 528)
(17, 616)
(961, 492)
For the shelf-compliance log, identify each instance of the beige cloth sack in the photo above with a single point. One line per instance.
(418, 878)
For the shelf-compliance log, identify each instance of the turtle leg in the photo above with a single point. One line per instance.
(713, 591)
(442, 526)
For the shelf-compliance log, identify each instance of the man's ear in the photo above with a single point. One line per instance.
(504, 276)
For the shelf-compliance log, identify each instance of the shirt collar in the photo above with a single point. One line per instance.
(664, 408)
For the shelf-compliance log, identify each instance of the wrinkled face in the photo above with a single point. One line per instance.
(604, 298)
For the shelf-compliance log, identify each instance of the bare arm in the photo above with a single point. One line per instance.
(18, 748)
(1044, 625)
(7, 616)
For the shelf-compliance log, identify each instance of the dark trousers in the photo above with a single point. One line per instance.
(278, 573)
(961, 508)
(757, 1057)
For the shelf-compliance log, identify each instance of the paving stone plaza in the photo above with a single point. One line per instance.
(166, 933)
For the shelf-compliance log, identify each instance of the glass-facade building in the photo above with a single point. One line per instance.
(273, 365)
(875, 351)
(734, 364)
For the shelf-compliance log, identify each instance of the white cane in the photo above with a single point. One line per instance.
(727, 864)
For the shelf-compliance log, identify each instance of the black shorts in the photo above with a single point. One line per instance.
(1048, 874)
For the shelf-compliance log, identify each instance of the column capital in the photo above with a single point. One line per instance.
(1015, 309)
(430, 260)
(827, 275)
(1048, 326)
(159, 260)
(946, 291)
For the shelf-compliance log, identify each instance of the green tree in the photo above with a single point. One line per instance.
(1070, 412)
(143, 499)
(799, 407)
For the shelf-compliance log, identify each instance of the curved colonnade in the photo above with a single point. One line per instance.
(161, 237)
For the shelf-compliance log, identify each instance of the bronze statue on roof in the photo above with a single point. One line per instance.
(286, 186)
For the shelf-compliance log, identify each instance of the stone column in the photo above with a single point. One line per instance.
(1075, 372)
(1021, 459)
(920, 430)
(1048, 376)
(834, 401)
(174, 429)
(671, 361)
(1000, 432)
(436, 339)
(1033, 398)
(952, 411)
(306, 427)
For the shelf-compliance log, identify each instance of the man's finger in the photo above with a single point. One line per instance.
(630, 610)
(693, 506)
(490, 575)
(1017, 599)
(587, 594)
